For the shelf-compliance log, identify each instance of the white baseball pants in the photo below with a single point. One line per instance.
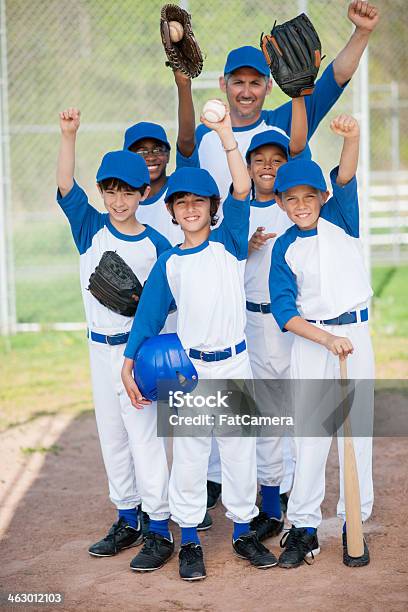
(134, 457)
(312, 361)
(187, 489)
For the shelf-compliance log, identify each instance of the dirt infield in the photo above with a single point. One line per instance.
(54, 504)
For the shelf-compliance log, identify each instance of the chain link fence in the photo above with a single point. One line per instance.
(106, 58)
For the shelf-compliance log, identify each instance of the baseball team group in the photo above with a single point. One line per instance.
(252, 266)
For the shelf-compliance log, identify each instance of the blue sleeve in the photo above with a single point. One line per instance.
(153, 308)
(187, 162)
(342, 208)
(84, 219)
(282, 287)
(160, 242)
(234, 229)
(325, 95)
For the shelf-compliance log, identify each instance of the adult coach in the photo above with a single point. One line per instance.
(246, 83)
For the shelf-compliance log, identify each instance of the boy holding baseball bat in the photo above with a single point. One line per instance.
(320, 291)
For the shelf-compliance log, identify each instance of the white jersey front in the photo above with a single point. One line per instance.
(93, 235)
(153, 212)
(207, 284)
(274, 220)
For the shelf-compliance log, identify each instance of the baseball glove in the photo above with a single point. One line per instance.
(293, 52)
(115, 285)
(184, 55)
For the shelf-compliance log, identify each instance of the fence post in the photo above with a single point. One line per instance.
(365, 158)
(7, 296)
(395, 163)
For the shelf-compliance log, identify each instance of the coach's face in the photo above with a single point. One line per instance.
(246, 90)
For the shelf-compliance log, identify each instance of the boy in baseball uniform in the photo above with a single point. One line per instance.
(150, 141)
(320, 292)
(134, 458)
(269, 349)
(205, 277)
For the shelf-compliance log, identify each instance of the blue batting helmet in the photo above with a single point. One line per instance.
(163, 358)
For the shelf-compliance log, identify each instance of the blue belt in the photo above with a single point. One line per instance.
(112, 340)
(217, 355)
(264, 307)
(345, 319)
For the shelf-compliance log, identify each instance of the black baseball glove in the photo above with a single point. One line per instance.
(115, 285)
(184, 55)
(293, 52)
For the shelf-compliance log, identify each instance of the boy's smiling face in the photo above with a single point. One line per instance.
(155, 154)
(122, 204)
(264, 163)
(302, 204)
(192, 212)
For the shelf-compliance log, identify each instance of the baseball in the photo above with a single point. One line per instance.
(176, 31)
(214, 111)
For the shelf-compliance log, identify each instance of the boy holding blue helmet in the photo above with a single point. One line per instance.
(320, 291)
(205, 277)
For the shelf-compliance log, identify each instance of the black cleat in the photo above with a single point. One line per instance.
(191, 562)
(266, 527)
(249, 547)
(355, 561)
(213, 494)
(299, 546)
(206, 523)
(120, 536)
(155, 552)
(284, 498)
(144, 520)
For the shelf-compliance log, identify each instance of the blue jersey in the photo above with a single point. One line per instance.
(319, 274)
(94, 234)
(210, 155)
(206, 283)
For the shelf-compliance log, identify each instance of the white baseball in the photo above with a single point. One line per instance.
(176, 31)
(214, 111)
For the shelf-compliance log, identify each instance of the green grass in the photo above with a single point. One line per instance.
(30, 450)
(45, 373)
(390, 302)
(50, 300)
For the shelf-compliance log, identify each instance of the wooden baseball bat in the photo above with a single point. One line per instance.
(355, 543)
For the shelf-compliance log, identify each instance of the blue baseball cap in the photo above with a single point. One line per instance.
(126, 166)
(192, 180)
(145, 129)
(266, 138)
(246, 56)
(299, 172)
